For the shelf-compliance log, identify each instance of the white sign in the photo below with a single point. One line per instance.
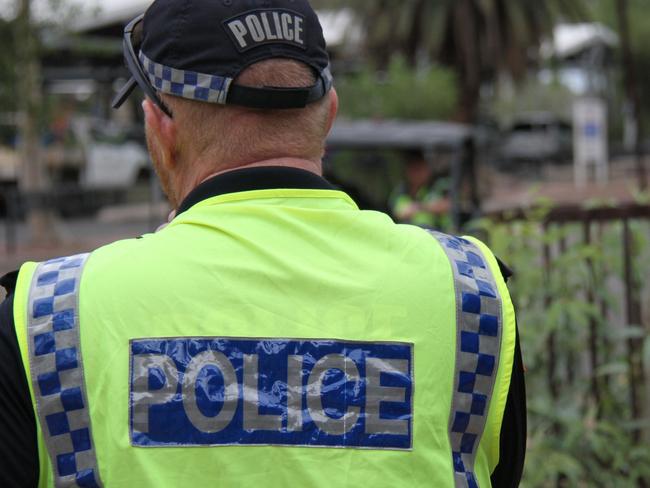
(591, 151)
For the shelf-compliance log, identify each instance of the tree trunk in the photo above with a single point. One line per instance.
(468, 60)
(414, 40)
(470, 97)
(632, 90)
(379, 43)
(33, 176)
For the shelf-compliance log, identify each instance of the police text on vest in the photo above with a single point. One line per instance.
(189, 392)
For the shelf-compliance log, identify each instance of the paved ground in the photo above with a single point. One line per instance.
(557, 184)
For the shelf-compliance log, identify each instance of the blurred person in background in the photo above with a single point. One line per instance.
(271, 316)
(423, 198)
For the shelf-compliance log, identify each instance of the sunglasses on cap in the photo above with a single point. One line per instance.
(131, 43)
(221, 89)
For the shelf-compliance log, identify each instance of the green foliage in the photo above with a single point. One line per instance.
(401, 92)
(581, 426)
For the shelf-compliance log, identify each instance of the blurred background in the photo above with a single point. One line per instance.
(526, 123)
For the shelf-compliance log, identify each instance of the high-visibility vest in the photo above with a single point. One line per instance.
(269, 338)
(401, 200)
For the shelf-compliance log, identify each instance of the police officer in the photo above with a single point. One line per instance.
(272, 334)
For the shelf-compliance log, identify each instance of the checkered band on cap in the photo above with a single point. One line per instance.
(186, 84)
(56, 369)
(478, 344)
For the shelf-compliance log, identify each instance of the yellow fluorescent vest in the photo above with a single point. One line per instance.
(303, 268)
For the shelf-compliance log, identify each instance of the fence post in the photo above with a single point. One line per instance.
(552, 339)
(604, 309)
(594, 339)
(636, 373)
(570, 356)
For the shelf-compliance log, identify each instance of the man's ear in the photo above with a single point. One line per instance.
(163, 129)
(334, 108)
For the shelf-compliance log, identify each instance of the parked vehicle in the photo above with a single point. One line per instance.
(537, 138)
(90, 163)
(91, 154)
(114, 158)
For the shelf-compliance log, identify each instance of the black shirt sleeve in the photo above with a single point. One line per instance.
(8, 282)
(510, 469)
(513, 440)
(18, 444)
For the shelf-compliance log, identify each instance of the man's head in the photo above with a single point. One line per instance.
(230, 84)
(202, 139)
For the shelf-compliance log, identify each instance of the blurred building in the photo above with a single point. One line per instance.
(581, 57)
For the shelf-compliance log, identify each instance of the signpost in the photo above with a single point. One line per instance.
(590, 141)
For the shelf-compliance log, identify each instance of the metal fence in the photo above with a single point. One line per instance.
(584, 313)
(593, 222)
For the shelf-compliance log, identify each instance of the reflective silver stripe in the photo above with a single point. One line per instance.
(478, 344)
(57, 371)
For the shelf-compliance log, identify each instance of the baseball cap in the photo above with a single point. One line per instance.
(195, 49)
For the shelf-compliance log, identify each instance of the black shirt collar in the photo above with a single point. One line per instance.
(251, 179)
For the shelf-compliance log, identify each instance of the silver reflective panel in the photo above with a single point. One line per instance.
(56, 367)
(478, 344)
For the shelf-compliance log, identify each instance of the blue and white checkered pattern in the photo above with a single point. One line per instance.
(186, 84)
(479, 330)
(57, 371)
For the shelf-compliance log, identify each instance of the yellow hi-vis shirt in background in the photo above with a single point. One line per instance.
(270, 338)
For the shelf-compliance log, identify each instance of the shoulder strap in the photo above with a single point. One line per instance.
(478, 345)
(57, 371)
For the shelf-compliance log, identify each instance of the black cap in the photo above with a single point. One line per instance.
(196, 49)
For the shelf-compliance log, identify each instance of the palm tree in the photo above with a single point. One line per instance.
(478, 39)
